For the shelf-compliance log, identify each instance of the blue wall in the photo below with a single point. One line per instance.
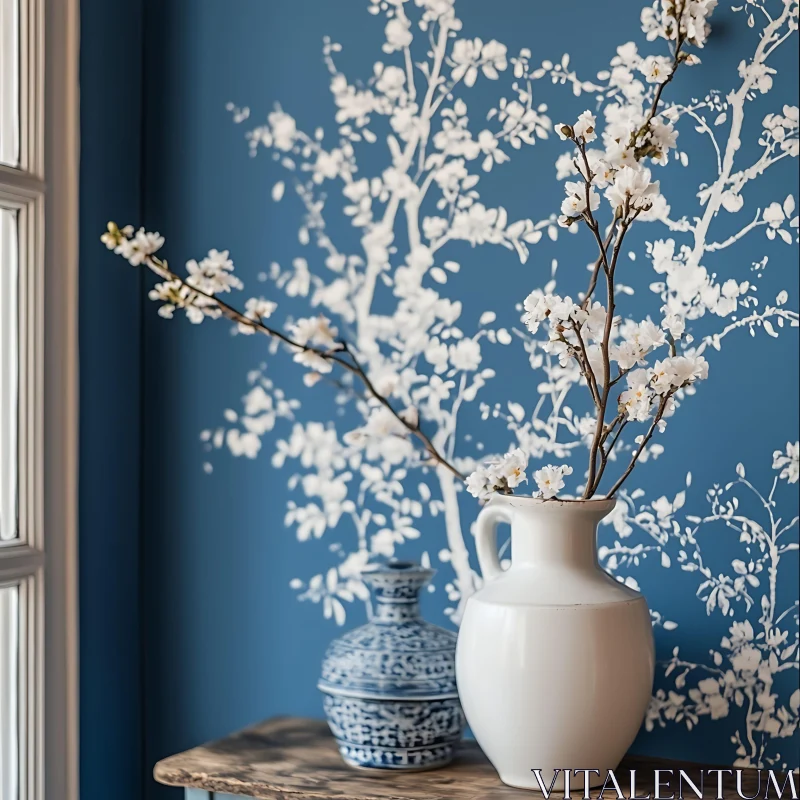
(110, 408)
(225, 641)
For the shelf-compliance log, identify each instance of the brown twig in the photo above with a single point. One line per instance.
(586, 367)
(659, 414)
(610, 308)
(353, 365)
(605, 454)
(597, 264)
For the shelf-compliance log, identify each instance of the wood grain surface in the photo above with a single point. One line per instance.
(297, 759)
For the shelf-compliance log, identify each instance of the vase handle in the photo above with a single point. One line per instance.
(486, 540)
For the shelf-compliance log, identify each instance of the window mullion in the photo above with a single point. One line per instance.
(19, 561)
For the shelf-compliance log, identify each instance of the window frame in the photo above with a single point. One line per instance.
(43, 188)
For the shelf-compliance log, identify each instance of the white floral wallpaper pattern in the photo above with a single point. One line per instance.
(394, 287)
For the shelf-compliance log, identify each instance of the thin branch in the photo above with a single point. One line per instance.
(586, 367)
(412, 428)
(623, 228)
(605, 454)
(353, 365)
(662, 406)
(597, 264)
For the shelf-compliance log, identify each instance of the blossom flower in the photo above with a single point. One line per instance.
(585, 127)
(477, 484)
(537, 307)
(498, 474)
(659, 21)
(656, 69)
(619, 155)
(726, 301)
(637, 398)
(663, 137)
(111, 236)
(575, 203)
(677, 371)
(603, 172)
(674, 325)
(627, 354)
(648, 336)
(550, 479)
(687, 369)
(436, 354)
(490, 147)
(747, 659)
(243, 443)
(634, 186)
(134, 248)
(213, 274)
(314, 331)
(313, 361)
(256, 309)
(511, 468)
(175, 294)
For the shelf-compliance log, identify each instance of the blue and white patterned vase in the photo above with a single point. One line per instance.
(390, 685)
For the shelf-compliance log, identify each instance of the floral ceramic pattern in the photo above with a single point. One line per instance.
(390, 686)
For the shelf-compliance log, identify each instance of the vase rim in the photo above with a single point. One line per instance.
(573, 504)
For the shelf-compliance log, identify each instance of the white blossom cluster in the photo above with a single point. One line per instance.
(550, 479)
(133, 247)
(632, 135)
(498, 475)
(662, 20)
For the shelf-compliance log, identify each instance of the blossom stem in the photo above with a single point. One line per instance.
(610, 270)
(353, 366)
(597, 264)
(414, 429)
(589, 217)
(606, 453)
(676, 61)
(586, 367)
(662, 406)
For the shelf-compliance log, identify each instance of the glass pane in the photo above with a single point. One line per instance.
(9, 82)
(9, 358)
(9, 691)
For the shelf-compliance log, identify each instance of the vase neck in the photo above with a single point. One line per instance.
(394, 611)
(395, 589)
(558, 537)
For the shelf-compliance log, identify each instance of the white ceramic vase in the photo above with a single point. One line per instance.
(555, 658)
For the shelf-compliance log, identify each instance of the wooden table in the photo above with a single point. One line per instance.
(297, 759)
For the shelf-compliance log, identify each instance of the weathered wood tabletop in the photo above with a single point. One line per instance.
(297, 759)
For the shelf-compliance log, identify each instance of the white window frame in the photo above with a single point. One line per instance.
(43, 561)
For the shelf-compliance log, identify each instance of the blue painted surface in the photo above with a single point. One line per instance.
(110, 307)
(229, 643)
(226, 641)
